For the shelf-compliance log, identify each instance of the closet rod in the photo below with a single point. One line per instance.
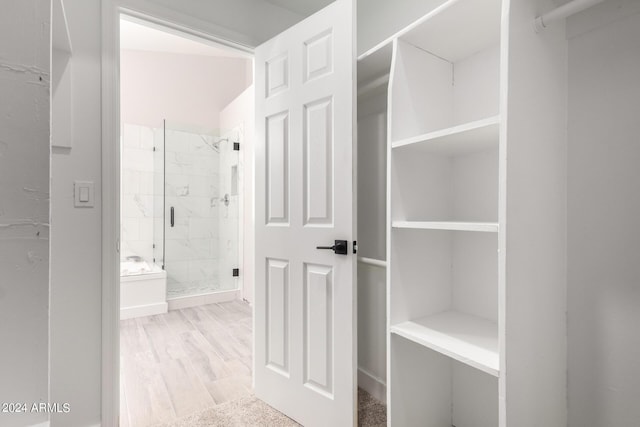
(562, 12)
(373, 261)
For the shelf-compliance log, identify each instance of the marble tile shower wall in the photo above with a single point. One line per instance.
(137, 187)
(192, 248)
(192, 188)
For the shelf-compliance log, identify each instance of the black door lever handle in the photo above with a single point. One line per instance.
(339, 248)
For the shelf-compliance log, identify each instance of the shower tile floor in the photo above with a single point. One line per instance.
(175, 364)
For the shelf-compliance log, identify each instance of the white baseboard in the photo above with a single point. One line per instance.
(143, 310)
(196, 300)
(373, 385)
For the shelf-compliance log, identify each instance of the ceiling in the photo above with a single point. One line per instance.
(136, 36)
(301, 7)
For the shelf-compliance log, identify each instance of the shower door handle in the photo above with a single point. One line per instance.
(173, 216)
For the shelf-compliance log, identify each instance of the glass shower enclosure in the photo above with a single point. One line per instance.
(196, 225)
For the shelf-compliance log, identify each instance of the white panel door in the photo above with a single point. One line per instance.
(305, 298)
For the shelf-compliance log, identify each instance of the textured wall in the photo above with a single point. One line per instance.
(24, 206)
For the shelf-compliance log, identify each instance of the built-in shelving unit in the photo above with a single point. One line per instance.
(452, 315)
(443, 226)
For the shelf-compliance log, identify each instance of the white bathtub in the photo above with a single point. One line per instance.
(143, 290)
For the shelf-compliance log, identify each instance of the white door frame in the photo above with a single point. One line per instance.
(167, 19)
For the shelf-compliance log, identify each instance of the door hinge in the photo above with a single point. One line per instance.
(118, 245)
(236, 146)
(355, 247)
(236, 272)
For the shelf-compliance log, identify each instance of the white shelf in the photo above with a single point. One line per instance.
(374, 65)
(470, 137)
(463, 337)
(488, 227)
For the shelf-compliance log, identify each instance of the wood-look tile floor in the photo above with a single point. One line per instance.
(182, 362)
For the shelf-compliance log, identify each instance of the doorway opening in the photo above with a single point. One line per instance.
(186, 112)
(197, 326)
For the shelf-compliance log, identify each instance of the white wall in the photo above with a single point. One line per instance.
(75, 235)
(187, 90)
(24, 206)
(240, 113)
(603, 212)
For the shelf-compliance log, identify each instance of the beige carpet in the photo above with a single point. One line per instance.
(371, 412)
(250, 411)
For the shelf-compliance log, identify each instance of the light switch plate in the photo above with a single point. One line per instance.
(84, 195)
